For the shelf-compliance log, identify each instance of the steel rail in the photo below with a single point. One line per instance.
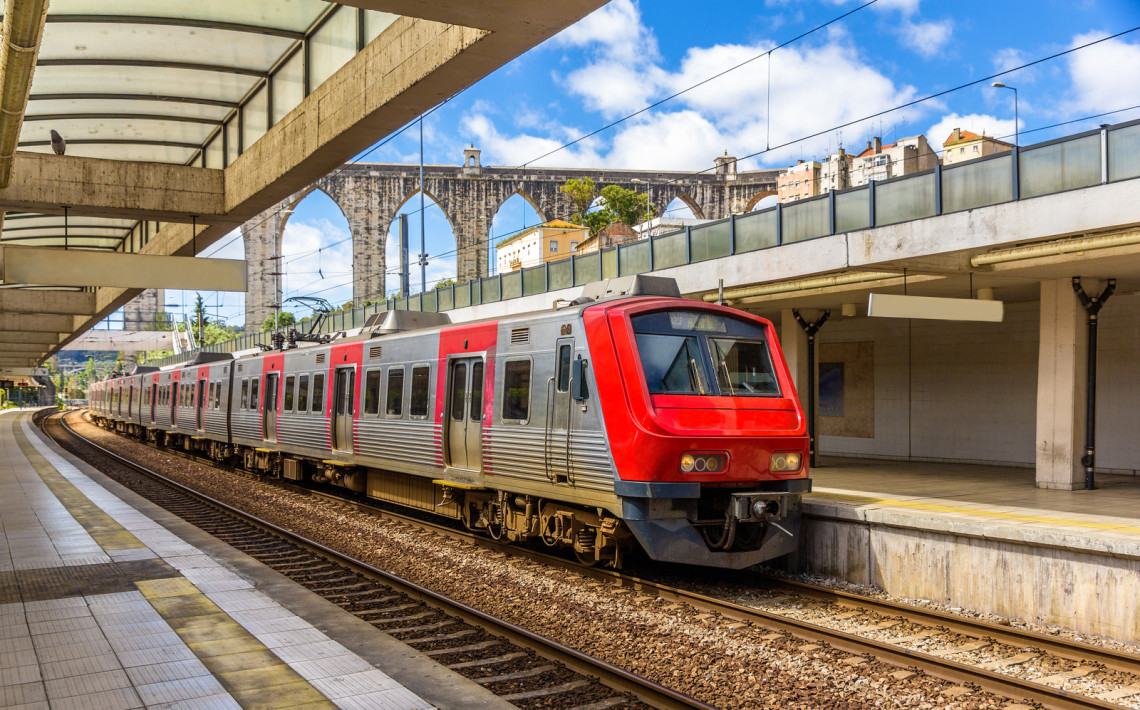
(608, 674)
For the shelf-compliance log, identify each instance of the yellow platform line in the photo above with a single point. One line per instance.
(101, 527)
(253, 675)
(997, 514)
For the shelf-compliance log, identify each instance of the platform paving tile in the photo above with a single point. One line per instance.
(13, 630)
(270, 626)
(80, 666)
(163, 672)
(150, 656)
(210, 702)
(13, 655)
(310, 651)
(22, 693)
(68, 638)
(143, 641)
(55, 626)
(241, 600)
(383, 700)
(67, 612)
(18, 675)
(361, 683)
(198, 560)
(89, 684)
(172, 691)
(296, 637)
(117, 699)
(51, 654)
(268, 613)
(331, 666)
(134, 628)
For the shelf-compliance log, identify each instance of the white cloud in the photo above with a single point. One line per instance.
(906, 7)
(926, 38)
(499, 149)
(974, 122)
(1105, 76)
(615, 30)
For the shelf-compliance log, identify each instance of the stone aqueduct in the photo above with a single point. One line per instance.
(370, 195)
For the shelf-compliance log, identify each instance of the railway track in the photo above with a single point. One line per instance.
(911, 638)
(516, 664)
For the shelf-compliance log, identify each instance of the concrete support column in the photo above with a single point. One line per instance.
(1061, 375)
(794, 343)
(143, 311)
(262, 242)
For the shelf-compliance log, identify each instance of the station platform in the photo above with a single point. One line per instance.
(983, 538)
(107, 601)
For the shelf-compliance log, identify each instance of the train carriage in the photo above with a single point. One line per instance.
(629, 414)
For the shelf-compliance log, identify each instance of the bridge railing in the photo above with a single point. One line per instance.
(1110, 154)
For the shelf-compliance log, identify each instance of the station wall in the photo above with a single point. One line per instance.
(966, 392)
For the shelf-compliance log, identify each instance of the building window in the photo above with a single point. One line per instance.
(961, 150)
(553, 246)
(573, 245)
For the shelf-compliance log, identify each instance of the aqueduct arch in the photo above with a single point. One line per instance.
(370, 195)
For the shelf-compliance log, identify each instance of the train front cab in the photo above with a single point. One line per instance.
(709, 442)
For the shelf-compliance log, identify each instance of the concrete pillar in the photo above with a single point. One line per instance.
(794, 343)
(262, 242)
(1061, 375)
(143, 311)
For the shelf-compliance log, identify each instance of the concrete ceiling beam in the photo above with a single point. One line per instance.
(58, 267)
(25, 323)
(57, 302)
(23, 30)
(97, 187)
(21, 348)
(19, 361)
(15, 336)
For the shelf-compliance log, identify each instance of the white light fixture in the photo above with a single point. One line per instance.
(887, 305)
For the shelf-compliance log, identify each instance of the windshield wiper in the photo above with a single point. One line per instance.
(696, 375)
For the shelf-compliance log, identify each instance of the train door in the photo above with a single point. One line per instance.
(175, 385)
(153, 401)
(269, 412)
(465, 414)
(200, 404)
(559, 415)
(344, 390)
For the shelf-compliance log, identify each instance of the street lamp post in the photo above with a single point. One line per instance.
(1016, 122)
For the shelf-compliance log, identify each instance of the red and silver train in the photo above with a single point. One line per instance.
(633, 416)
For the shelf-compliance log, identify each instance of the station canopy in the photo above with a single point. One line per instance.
(183, 119)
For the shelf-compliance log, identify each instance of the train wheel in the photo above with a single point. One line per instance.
(585, 540)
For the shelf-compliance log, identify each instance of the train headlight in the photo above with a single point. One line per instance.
(786, 462)
(704, 463)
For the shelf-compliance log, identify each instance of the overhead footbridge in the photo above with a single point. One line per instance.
(134, 134)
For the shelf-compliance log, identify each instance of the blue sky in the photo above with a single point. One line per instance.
(633, 53)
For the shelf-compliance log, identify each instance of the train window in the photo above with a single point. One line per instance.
(458, 390)
(245, 394)
(303, 394)
(418, 406)
(217, 395)
(289, 383)
(476, 413)
(744, 367)
(564, 352)
(146, 398)
(254, 395)
(372, 392)
(516, 390)
(318, 392)
(394, 406)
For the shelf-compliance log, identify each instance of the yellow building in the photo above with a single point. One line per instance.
(964, 145)
(557, 239)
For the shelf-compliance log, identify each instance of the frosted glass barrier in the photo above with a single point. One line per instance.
(214, 153)
(534, 280)
(669, 250)
(1124, 153)
(288, 86)
(414, 303)
(428, 301)
(977, 183)
(489, 290)
(376, 22)
(609, 263)
(586, 269)
(1060, 166)
(710, 241)
(904, 200)
(756, 230)
(231, 140)
(463, 295)
(255, 117)
(851, 210)
(561, 274)
(512, 285)
(332, 45)
(447, 298)
(402, 304)
(806, 220)
(634, 258)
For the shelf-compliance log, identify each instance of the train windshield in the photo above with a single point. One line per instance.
(695, 352)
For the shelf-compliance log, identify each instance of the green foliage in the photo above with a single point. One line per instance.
(199, 311)
(347, 306)
(271, 323)
(581, 193)
(626, 205)
(444, 283)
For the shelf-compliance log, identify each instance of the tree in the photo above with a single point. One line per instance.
(444, 283)
(582, 193)
(272, 322)
(626, 205)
